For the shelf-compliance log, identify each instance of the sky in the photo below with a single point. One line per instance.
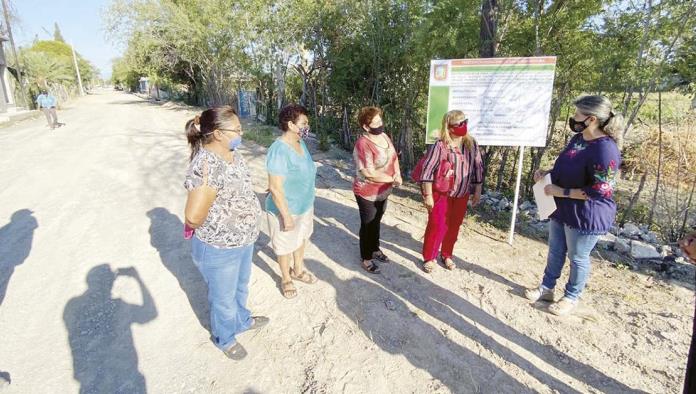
(79, 21)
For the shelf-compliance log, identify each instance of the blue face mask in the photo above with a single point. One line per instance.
(235, 143)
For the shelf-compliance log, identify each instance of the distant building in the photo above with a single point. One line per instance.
(144, 85)
(7, 100)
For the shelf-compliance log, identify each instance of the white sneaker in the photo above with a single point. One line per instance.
(563, 307)
(539, 294)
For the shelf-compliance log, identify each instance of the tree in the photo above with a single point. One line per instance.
(49, 65)
(337, 56)
(683, 67)
(44, 71)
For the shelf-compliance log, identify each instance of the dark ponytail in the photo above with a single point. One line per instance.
(199, 130)
(193, 135)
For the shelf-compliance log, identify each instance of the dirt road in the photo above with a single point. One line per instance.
(81, 204)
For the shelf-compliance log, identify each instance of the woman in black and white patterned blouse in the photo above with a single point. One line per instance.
(224, 211)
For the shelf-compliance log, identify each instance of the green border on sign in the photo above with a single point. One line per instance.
(438, 105)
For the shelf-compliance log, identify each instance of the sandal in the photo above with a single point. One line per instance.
(258, 322)
(429, 266)
(304, 277)
(236, 351)
(448, 263)
(288, 289)
(380, 256)
(372, 268)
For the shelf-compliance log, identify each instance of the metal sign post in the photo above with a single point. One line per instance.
(517, 195)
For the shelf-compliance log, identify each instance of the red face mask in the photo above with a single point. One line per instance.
(460, 130)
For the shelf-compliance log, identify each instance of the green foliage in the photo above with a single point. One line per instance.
(262, 135)
(336, 56)
(193, 43)
(674, 106)
(683, 69)
(49, 64)
(123, 75)
(46, 70)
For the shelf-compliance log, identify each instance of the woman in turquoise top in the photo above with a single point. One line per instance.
(290, 205)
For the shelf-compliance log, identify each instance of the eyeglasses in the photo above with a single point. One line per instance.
(238, 130)
(460, 124)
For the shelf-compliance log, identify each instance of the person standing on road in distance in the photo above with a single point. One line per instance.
(583, 180)
(377, 173)
(47, 104)
(224, 211)
(290, 204)
(457, 158)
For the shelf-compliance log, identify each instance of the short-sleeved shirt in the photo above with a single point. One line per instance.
(368, 155)
(46, 101)
(593, 167)
(467, 165)
(234, 216)
(299, 173)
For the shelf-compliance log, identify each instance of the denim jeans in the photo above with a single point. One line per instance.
(227, 273)
(564, 240)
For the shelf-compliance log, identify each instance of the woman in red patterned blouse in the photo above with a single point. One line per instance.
(377, 172)
(453, 168)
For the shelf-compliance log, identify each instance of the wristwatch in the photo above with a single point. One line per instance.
(566, 192)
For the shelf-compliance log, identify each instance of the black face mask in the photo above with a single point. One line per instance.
(376, 130)
(577, 127)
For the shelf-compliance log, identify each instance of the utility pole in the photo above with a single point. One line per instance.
(6, 12)
(77, 70)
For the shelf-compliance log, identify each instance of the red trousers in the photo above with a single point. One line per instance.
(444, 221)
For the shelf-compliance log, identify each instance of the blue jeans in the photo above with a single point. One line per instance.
(227, 273)
(564, 240)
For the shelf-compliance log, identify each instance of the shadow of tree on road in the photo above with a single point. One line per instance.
(444, 305)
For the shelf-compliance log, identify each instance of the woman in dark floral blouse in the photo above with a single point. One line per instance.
(583, 180)
(224, 212)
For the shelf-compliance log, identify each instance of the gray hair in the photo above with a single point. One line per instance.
(610, 123)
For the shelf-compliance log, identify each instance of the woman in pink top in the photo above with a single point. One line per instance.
(377, 172)
(459, 153)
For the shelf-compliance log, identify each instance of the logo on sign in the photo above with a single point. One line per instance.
(440, 72)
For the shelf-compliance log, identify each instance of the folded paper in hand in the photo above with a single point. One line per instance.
(546, 205)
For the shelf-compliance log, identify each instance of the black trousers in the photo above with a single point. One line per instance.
(690, 383)
(371, 213)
